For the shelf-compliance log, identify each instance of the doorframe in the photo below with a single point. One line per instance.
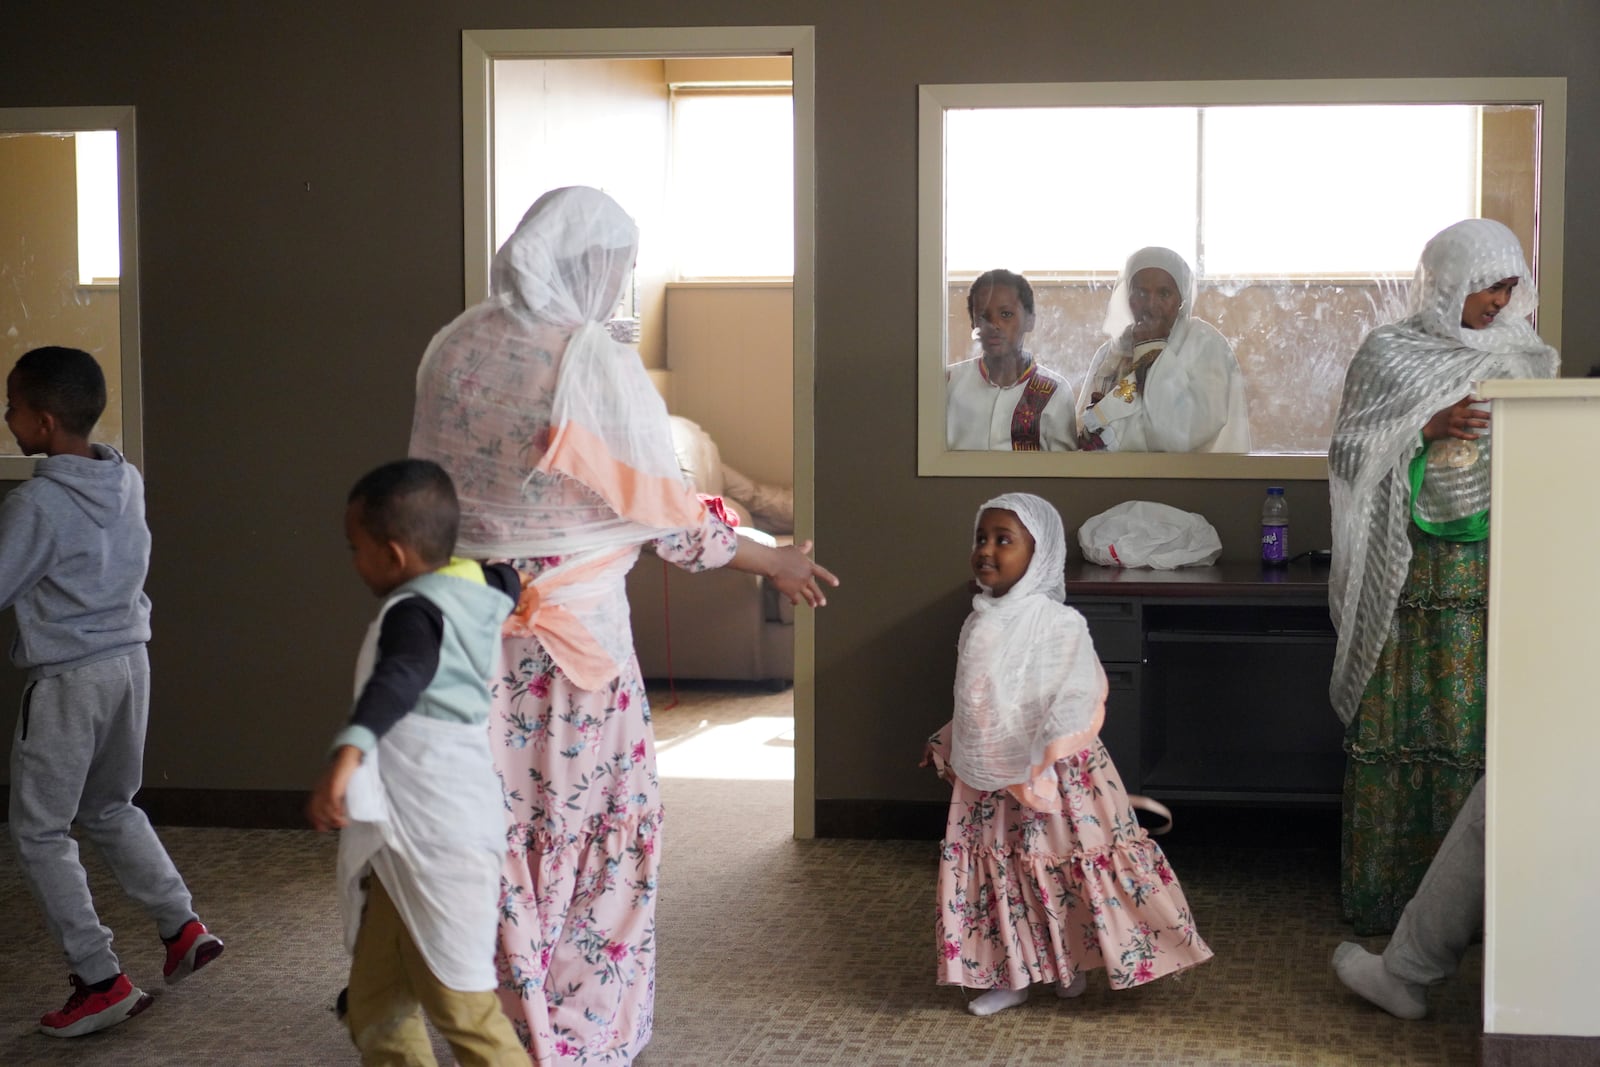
(479, 50)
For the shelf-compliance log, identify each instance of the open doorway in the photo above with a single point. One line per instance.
(723, 324)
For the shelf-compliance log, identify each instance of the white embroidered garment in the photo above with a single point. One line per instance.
(558, 444)
(426, 817)
(1193, 398)
(1027, 676)
(980, 416)
(1402, 375)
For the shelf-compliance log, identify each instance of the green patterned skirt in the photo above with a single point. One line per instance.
(1415, 748)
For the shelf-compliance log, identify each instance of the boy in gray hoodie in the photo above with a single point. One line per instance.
(74, 549)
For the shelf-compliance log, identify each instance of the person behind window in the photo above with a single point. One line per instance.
(1408, 481)
(1165, 381)
(1003, 399)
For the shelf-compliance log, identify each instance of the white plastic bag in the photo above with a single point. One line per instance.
(1138, 533)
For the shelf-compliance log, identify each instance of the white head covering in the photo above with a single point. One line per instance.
(1194, 394)
(559, 273)
(559, 446)
(1467, 258)
(1119, 314)
(569, 257)
(1026, 671)
(1401, 376)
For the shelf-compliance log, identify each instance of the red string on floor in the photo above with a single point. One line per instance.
(666, 626)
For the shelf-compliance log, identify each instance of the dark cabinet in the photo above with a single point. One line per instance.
(1218, 681)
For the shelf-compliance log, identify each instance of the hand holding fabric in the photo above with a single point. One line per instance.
(1460, 420)
(325, 809)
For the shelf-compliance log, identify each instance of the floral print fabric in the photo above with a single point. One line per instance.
(1416, 746)
(1028, 896)
(583, 804)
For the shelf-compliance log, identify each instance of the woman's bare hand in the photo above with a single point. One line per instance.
(1460, 420)
(797, 576)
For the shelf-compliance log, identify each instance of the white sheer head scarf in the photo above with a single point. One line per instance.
(1118, 325)
(561, 272)
(1401, 376)
(1026, 671)
(1119, 313)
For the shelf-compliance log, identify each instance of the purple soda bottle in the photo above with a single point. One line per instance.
(1275, 529)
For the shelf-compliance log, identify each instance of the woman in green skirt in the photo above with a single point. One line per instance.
(1409, 483)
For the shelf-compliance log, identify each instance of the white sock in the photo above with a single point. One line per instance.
(997, 1000)
(1074, 988)
(1364, 973)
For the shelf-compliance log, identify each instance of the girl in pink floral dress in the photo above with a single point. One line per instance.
(1044, 872)
(562, 457)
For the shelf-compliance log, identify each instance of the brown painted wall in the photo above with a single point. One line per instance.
(300, 192)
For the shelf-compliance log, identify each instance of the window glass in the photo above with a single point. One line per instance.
(1327, 200)
(99, 258)
(1057, 190)
(732, 203)
(1235, 190)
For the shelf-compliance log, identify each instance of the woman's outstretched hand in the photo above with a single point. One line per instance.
(1460, 420)
(799, 577)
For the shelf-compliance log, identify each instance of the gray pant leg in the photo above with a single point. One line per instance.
(107, 815)
(1444, 916)
(78, 753)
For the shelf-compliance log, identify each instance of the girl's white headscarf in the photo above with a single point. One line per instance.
(1028, 683)
(1401, 376)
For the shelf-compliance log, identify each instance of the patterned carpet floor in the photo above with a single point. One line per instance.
(772, 951)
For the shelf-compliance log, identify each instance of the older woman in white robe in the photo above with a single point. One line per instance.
(1165, 381)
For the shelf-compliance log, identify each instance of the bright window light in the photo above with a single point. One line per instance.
(733, 184)
(1067, 190)
(99, 256)
(1074, 190)
(1343, 191)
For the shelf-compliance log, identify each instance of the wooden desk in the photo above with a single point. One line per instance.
(1219, 680)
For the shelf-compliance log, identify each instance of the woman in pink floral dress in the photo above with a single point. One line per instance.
(562, 457)
(1044, 872)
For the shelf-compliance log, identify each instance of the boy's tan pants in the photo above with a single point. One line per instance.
(389, 980)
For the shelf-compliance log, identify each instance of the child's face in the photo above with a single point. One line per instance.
(24, 421)
(1001, 551)
(999, 320)
(375, 561)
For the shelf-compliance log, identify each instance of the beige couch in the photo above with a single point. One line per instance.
(722, 624)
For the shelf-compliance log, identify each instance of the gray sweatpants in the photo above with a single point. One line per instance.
(1446, 913)
(78, 755)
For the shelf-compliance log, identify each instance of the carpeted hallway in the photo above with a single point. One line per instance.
(772, 951)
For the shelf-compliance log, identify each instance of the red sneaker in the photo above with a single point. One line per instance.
(191, 949)
(88, 1011)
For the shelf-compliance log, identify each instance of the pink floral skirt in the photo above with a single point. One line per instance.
(1028, 896)
(578, 890)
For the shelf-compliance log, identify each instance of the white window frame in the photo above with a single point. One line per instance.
(934, 458)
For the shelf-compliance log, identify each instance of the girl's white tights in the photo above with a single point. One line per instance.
(1000, 999)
